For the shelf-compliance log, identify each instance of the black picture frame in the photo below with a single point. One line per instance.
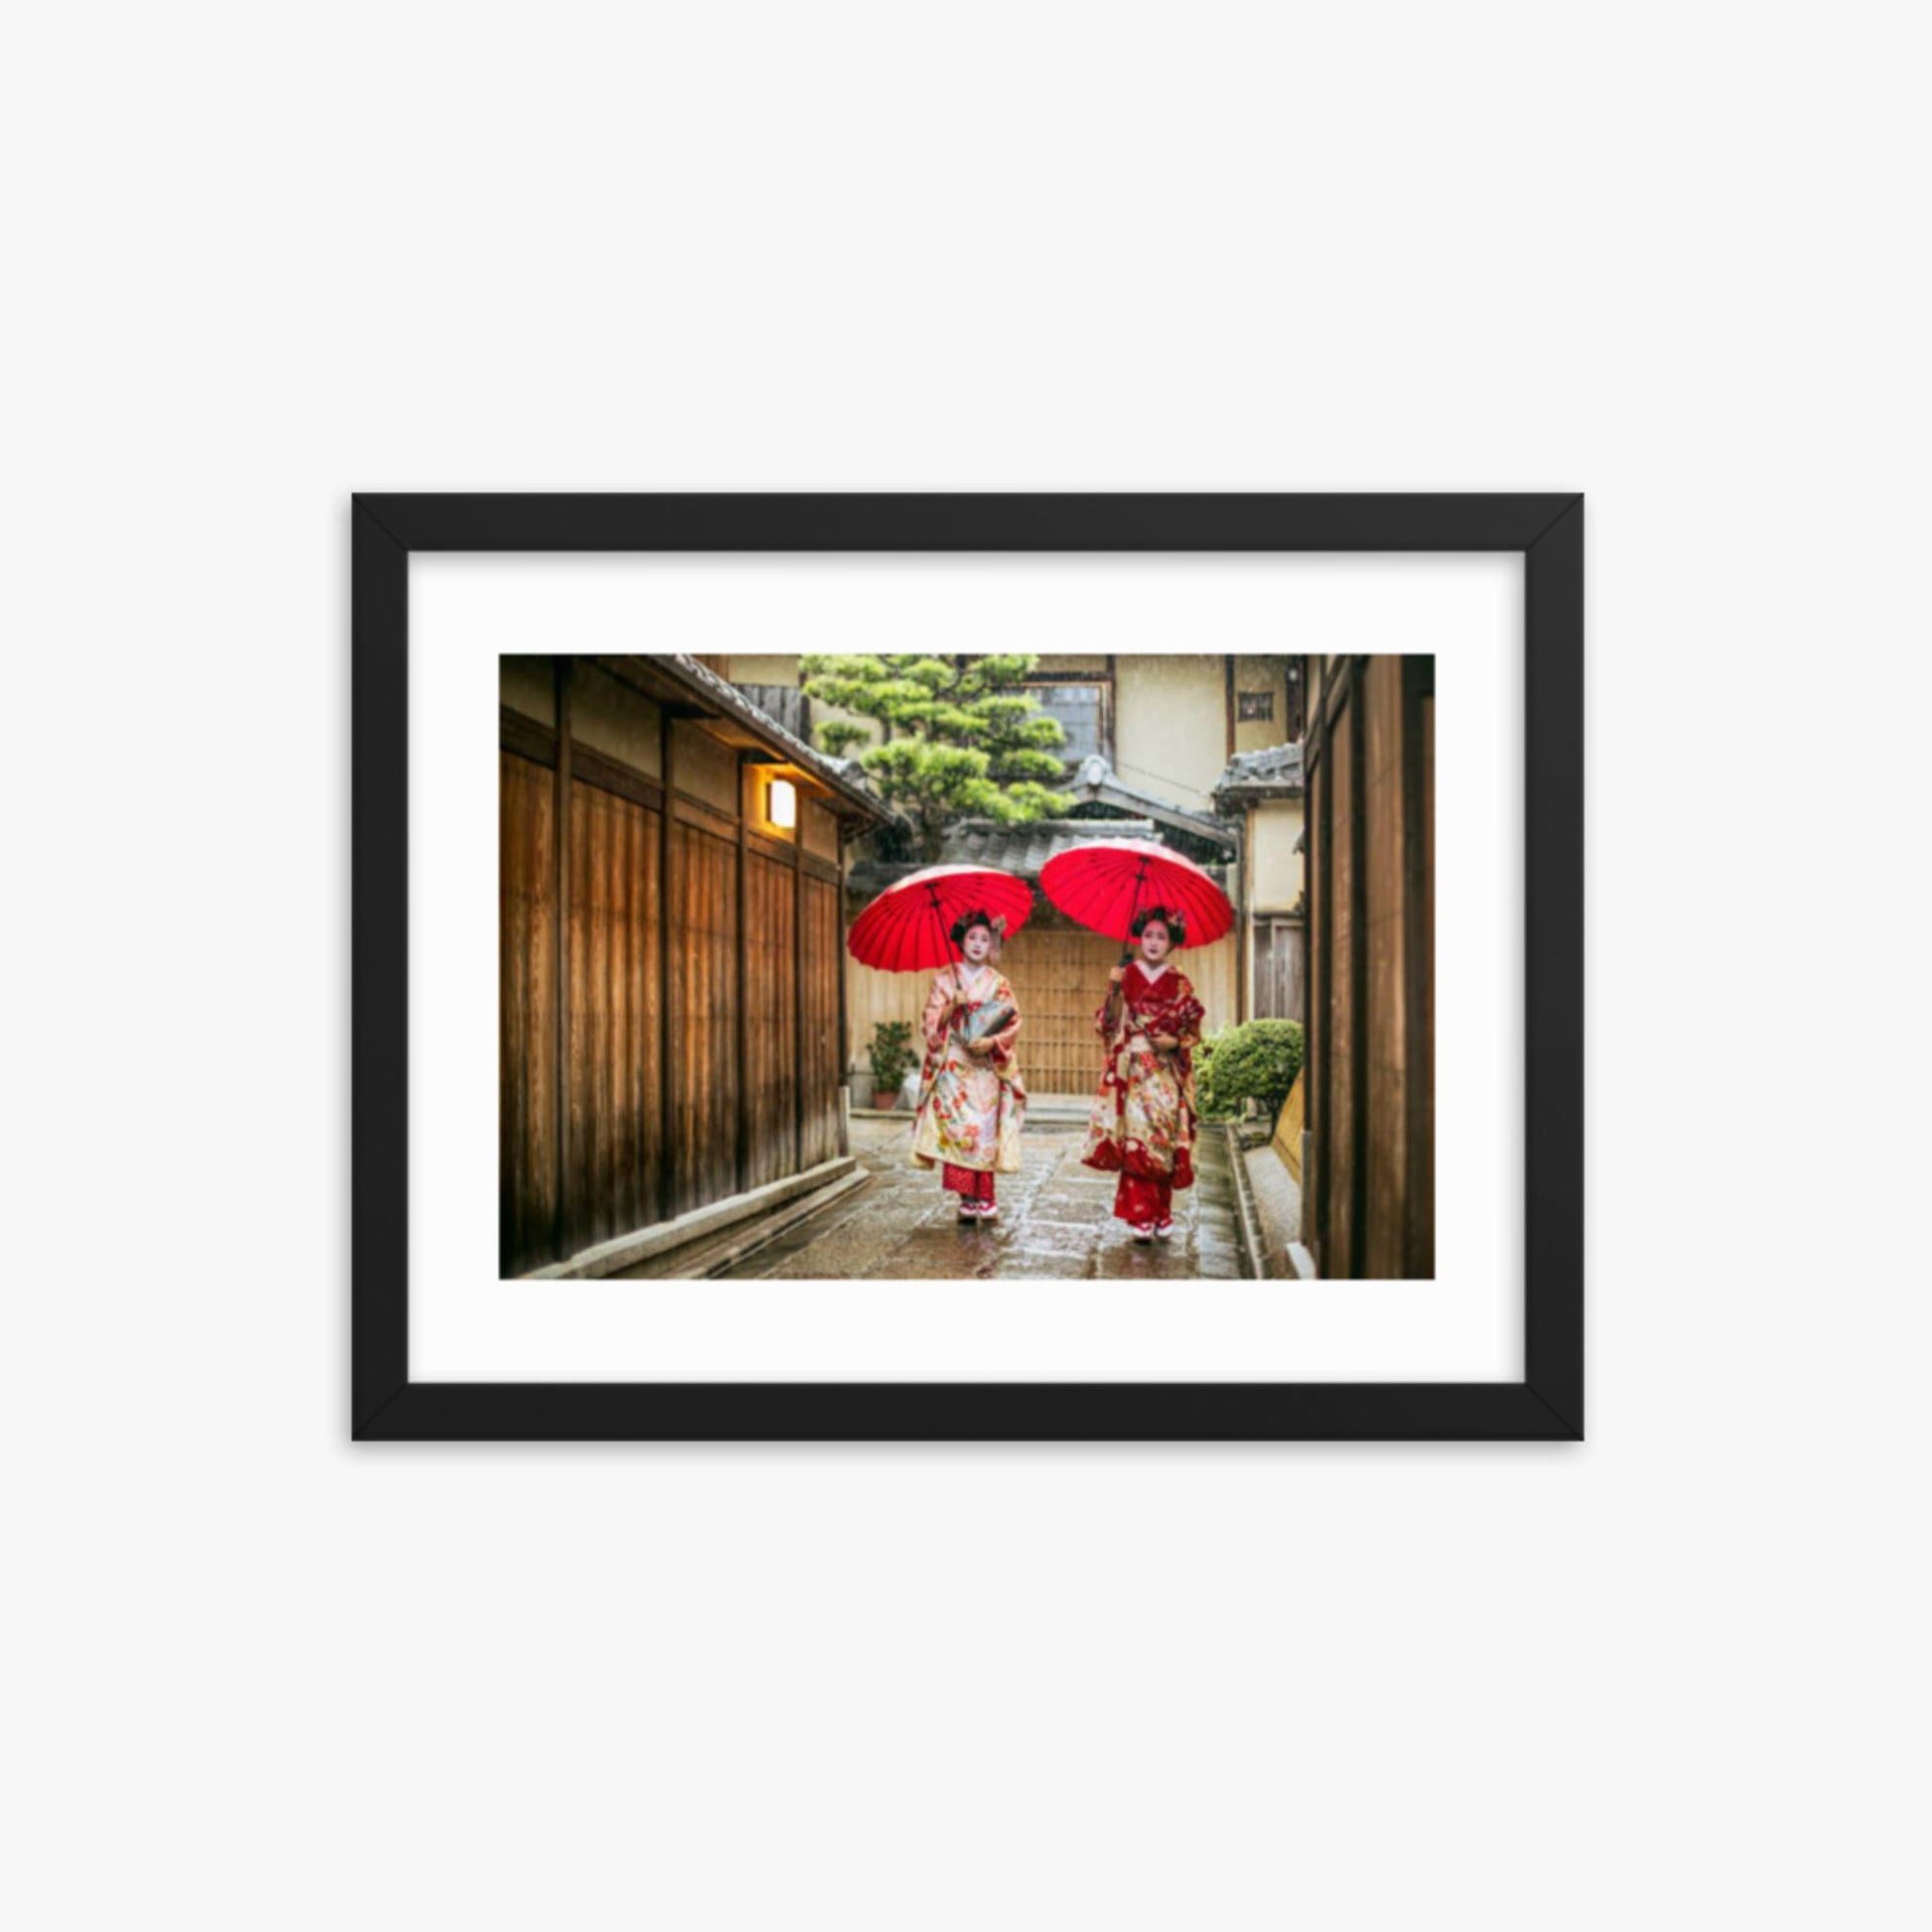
(1547, 1404)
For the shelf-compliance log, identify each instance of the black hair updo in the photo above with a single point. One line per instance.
(966, 921)
(1149, 914)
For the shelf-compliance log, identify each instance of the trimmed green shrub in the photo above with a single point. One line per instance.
(1256, 1060)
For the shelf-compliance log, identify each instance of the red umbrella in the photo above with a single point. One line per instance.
(1103, 884)
(908, 928)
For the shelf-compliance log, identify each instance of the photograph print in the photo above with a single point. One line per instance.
(967, 967)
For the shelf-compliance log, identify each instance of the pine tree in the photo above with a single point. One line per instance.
(960, 741)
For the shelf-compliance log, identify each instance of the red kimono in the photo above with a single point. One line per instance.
(1143, 1123)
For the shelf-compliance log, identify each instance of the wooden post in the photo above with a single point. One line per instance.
(1357, 967)
(1227, 672)
(561, 679)
(667, 937)
(744, 995)
(1316, 877)
(1314, 1103)
(845, 1043)
(1418, 1075)
(798, 982)
(1244, 918)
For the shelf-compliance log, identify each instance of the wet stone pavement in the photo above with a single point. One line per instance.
(1056, 1221)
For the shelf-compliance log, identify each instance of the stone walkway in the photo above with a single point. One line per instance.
(1278, 1205)
(1056, 1221)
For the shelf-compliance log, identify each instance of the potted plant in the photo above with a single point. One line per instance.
(892, 1054)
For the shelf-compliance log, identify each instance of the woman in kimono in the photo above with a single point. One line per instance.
(1143, 1123)
(972, 1100)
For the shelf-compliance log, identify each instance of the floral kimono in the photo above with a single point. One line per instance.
(1143, 1122)
(971, 1109)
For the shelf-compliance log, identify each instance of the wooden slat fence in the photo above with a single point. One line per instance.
(1059, 976)
(634, 1121)
(1370, 1076)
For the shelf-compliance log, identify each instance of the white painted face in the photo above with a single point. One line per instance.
(977, 945)
(1154, 942)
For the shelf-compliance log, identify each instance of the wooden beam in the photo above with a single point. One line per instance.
(525, 737)
(1227, 678)
(799, 994)
(1315, 1103)
(594, 769)
(743, 983)
(1244, 917)
(838, 966)
(1335, 689)
(1357, 726)
(705, 816)
(538, 743)
(1418, 962)
(670, 1204)
(562, 674)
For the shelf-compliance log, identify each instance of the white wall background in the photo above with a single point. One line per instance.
(260, 258)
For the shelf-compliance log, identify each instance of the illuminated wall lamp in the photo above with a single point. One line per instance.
(781, 802)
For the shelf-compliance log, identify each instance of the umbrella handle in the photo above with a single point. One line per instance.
(1114, 994)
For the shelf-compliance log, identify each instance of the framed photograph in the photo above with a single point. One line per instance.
(987, 967)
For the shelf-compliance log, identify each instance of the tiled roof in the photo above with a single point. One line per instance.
(1096, 779)
(1019, 849)
(845, 775)
(1023, 849)
(1277, 769)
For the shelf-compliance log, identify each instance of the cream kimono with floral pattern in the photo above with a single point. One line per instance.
(971, 1109)
(1143, 1120)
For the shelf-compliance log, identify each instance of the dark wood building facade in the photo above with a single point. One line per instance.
(670, 951)
(1370, 1181)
